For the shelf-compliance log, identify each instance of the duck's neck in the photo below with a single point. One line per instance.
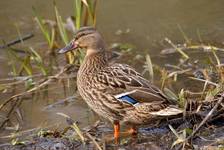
(93, 62)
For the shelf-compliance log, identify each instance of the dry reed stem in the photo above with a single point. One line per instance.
(42, 84)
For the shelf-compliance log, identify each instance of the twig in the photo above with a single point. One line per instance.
(26, 133)
(74, 126)
(207, 116)
(94, 141)
(60, 102)
(204, 120)
(44, 83)
(209, 82)
(183, 47)
(17, 98)
(177, 49)
(18, 40)
(179, 72)
(16, 103)
(13, 78)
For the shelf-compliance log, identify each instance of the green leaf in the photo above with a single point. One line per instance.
(61, 27)
(92, 9)
(27, 66)
(52, 38)
(42, 26)
(182, 99)
(36, 55)
(39, 61)
(29, 83)
(77, 13)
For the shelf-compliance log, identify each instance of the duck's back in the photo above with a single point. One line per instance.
(117, 91)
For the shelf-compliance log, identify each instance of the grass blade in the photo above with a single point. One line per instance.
(184, 35)
(74, 126)
(176, 48)
(40, 22)
(216, 57)
(26, 65)
(19, 33)
(61, 27)
(39, 61)
(170, 94)
(150, 67)
(92, 11)
(52, 38)
(77, 13)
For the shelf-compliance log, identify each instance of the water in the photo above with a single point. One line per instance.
(148, 22)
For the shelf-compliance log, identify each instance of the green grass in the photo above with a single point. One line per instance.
(84, 14)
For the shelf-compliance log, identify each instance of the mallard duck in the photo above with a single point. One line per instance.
(116, 91)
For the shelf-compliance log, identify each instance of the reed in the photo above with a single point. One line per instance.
(84, 15)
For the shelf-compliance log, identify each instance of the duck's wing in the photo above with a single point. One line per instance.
(128, 86)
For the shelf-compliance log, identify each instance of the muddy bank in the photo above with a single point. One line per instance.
(99, 136)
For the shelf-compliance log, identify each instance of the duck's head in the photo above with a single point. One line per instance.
(86, 38)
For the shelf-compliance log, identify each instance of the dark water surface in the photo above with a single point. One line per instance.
(148, 22)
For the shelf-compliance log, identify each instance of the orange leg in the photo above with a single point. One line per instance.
(116, 131)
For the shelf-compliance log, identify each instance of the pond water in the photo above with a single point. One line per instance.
(148, 22)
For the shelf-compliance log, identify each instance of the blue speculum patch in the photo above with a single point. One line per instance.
(128, 99)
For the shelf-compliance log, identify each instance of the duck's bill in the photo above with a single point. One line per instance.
(67, 48)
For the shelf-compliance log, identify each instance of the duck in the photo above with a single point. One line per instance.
(116, 91)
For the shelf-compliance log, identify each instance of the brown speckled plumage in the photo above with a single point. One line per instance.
(102, 84)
